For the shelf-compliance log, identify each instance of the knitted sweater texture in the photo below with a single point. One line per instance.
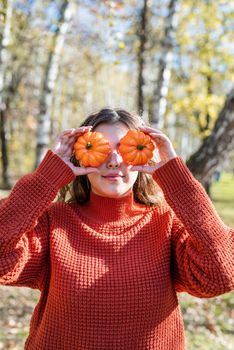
(109, 271)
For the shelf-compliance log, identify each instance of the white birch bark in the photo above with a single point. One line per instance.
(164, 69)
(5, 74)
(5, 82)
(51, 74)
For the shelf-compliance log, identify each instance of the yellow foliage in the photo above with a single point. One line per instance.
(121, 45)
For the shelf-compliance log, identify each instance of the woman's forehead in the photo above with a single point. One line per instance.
(114, 130)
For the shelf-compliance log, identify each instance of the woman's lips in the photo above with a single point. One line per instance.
(113, 178)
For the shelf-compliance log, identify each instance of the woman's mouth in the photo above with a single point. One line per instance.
(113, 177)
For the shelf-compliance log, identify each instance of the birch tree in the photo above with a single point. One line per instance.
(5, 82)
(49, 80)
(159, 101)
(142, 34)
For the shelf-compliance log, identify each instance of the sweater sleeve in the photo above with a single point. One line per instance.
(24, 223)
(202, 260)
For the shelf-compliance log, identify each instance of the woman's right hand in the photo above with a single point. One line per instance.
(63, 148)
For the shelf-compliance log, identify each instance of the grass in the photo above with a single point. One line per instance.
(209, 323)
(223, 198)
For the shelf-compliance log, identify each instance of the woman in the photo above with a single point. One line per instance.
(109, 260)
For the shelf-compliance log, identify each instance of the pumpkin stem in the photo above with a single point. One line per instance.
(89, 145)
(141, 147)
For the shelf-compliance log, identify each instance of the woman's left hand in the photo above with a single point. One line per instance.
(165, 149)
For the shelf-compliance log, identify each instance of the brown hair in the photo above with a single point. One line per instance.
(145, 189)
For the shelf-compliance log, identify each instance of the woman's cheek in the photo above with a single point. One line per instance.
(132, 177)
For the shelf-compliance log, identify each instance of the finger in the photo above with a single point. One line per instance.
(73, 137)
(135, 167)
(74, 131)
(91, 170)
(142, 169)
(85, 170)
(148, 129)
(67, 132)
(158, 136)
(82, 129)
(71, 142)
(146, 168)
(68, 139)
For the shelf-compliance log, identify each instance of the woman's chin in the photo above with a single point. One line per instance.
(114, 193)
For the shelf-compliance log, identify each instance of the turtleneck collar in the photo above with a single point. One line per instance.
(104, 209)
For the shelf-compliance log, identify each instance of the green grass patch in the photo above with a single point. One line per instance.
(216, 313)
(222, 194)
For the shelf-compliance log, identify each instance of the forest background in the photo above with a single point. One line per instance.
(170, 61)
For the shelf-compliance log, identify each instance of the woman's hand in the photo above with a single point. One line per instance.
(64, 147)
(164, 146)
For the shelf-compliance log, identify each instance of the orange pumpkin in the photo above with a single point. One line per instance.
(92, 149)
(136, 148)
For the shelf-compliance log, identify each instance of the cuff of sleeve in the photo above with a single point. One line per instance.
(173, 174)
(55, 170)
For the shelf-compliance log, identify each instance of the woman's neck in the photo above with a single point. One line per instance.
(105, 209)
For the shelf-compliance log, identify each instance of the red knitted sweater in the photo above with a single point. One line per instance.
(109, 270)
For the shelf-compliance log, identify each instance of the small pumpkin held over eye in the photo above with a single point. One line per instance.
(91, 149)
(136, 148)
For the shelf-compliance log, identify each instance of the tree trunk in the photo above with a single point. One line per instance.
(215, 148)
(159, 101)
(49, 80)
(203, 128)
(141, 56)
(5, 82)
(6, 183)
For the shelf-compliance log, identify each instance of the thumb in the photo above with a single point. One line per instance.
(148, 169)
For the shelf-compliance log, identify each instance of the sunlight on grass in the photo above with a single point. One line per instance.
(215, 312)
(223, 198)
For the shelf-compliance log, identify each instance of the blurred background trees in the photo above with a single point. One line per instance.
(170, 61)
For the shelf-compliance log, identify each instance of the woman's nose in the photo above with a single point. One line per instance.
(114, 160)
